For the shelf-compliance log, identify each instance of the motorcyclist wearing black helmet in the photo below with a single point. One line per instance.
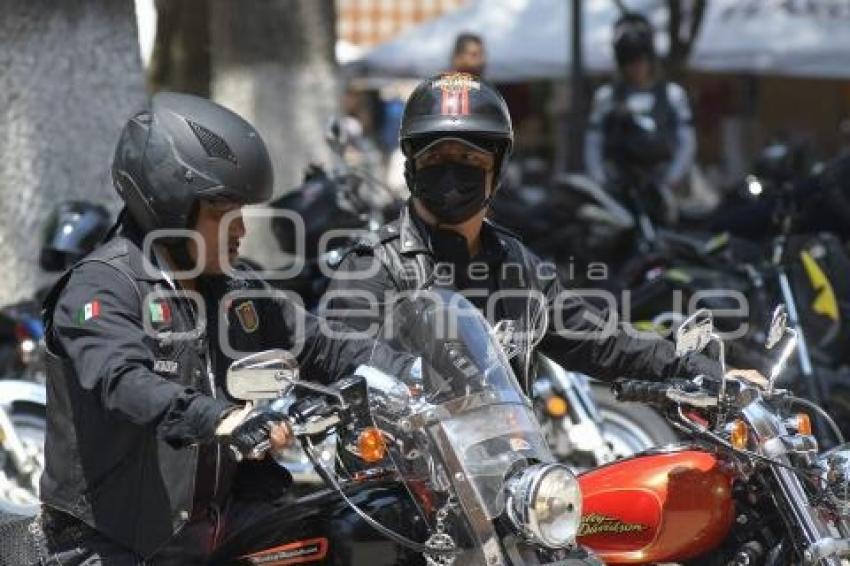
(456, 134)
(640, 121)
(73, 229)
(141, 433)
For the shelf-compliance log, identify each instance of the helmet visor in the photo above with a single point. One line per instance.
(428, 145)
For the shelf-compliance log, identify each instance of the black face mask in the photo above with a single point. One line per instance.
(452, 192)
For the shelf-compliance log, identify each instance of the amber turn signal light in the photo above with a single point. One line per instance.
(739, 434)
(371, 445)
(556, 406)
(803, 424)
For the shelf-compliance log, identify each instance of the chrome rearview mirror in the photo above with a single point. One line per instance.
(693, 335)
(261, 376)
(778, 332)
(695, 332)
(778, 326)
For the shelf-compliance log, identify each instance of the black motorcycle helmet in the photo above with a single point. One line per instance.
(634, 38)
(72, 230)
(184, 149)
(455, 105)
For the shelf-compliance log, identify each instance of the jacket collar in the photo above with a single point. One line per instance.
(414, 235)
(146, 269)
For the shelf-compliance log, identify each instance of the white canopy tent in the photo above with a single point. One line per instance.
(525, 39)
(776, 37)
(529, 39)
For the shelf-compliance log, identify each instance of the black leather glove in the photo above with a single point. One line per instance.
(250, 437)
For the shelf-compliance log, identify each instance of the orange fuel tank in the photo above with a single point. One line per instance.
(665, 506)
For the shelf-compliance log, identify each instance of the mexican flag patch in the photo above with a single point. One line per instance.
(89, 310)
(160, 312)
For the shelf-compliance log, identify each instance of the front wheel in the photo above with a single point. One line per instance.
(629, 427)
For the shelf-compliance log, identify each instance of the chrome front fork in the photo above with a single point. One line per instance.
(825, 543)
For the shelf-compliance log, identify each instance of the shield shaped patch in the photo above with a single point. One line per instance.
(247, 315)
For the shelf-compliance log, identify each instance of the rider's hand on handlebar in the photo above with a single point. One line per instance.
(280, 436)
(751, 376)
(251, 434)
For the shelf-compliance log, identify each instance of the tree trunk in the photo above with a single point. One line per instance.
(181, 53)
(682, 37)
(274, 64)
(71, 75)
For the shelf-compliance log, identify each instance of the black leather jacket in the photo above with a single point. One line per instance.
(508, 283)
(136, 387)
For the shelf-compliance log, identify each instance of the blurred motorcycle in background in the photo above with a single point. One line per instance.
(337, 209)
(73, 229)
(792, 262)
(784, 206)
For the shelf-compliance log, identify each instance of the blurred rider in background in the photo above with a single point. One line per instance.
(640, 120)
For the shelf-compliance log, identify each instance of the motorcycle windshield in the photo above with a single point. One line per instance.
(460, 421)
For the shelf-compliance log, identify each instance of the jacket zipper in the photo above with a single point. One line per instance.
(211, 377)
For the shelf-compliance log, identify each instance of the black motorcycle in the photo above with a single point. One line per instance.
(805, 270)
(582, 226)
(445, 465)
(328, 213)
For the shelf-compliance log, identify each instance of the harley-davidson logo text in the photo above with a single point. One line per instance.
(596, 523)
(294, 553)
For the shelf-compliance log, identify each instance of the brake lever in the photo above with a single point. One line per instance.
(316, 426)
(694, 399)
(311, 428)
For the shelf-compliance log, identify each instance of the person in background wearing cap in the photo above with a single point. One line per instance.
(468, 55)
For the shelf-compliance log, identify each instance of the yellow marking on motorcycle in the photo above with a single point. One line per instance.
(717, 242)
(597, 523)
(647, 326)
(825, 302)
(677, 275)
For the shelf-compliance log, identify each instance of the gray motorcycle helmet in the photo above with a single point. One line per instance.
(183, 149)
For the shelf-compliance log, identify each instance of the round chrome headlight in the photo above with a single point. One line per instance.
(837, 478)
(544, 504)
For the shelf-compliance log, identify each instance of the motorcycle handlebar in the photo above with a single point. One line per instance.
(677, 391)
(650, 392)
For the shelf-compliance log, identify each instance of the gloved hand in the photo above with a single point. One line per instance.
(250, 434)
